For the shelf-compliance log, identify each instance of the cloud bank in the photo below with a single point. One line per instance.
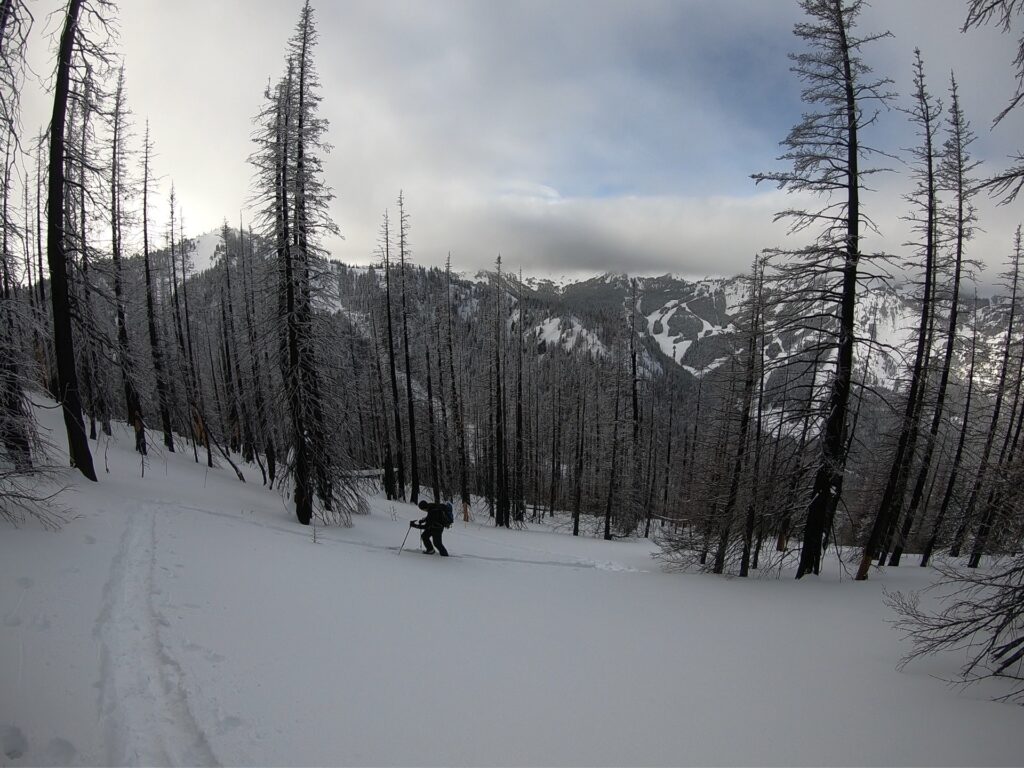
(570, 136)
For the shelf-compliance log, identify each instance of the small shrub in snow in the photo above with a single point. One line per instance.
(981, 612)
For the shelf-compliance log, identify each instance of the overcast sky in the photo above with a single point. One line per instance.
(572, 137)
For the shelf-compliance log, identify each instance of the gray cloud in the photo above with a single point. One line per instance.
(569, 136)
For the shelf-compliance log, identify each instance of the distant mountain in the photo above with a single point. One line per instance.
(204, 247)
(200, 250)
(692, 325)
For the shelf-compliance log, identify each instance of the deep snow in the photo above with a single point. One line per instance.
(185, 618)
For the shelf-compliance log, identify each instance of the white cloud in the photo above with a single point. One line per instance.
(567, 136)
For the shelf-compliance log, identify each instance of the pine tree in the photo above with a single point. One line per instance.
(390, 489)
(263, 428)
(457, 400)
(1002, 13)
(755, 368)
(385, 249)
(295, 212)
(435, 478)
(635, 476)
(1013, 276)
(613, 469)
(519, 464)
(925, 115)
(63, 341)
(133, 405)
(954, 469)
(17, 430)
(954, 169)
(502, 516)
(403, 254)
(825, 149)
(155, 348)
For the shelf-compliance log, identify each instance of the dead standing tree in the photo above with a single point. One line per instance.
(925, 115)
(75, 45)
(826, 150)
(294, 203)
(17, 430)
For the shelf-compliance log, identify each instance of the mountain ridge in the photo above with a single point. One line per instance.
(692, 324)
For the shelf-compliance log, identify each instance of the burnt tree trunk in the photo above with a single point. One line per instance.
(156, 351)
(63, 341)
(414, 473)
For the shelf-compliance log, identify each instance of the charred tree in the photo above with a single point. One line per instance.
(457, 400)
(924, 115)
(133, 406)
(826, 151)
(63, 340)
(385, 248)
(983, 467)
(403, 254)
(954, 169)
(155, 349)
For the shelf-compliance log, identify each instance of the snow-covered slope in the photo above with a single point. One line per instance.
(685, 317)
(694, 324)
(203, 249)
(570, 333)
(185, 618)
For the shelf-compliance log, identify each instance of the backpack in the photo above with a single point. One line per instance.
(447, 516)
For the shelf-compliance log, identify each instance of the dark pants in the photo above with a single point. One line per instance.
(434, 533)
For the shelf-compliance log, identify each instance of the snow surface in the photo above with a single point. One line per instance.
(675, 346)
(670, 345)
(185, 618)
(569, 333)
(699, 372)
(203, 249)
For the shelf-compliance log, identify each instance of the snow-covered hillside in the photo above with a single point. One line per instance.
(688, 321)
(203, 249)
(569, 333)
(693, 323)
(185, 618)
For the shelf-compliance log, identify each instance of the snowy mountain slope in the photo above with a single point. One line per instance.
(203, 249)
(570, 334)
(549, 285)
(685, 319)
(691, 323)
(695, 323)
(184, 618)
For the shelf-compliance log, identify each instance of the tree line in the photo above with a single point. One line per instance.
(139, 337)
(319, 374)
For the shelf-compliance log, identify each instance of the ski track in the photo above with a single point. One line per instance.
(143, 707)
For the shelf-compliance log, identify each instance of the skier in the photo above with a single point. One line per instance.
(432, 526)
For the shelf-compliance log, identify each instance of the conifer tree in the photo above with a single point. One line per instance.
(67, 377)
(295, 211)
(826, 150)
(155, 348)
(133, 405)
(925, 116)
(1013, 277)
(501, 516)
(385, 251)
(17, 429)
(457, 399)
(954, 175)
(403, 254)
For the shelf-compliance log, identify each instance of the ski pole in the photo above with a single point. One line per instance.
(405, 539)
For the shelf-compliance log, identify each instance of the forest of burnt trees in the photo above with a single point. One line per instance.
(327, 379)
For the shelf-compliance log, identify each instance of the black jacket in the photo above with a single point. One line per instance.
(434, 518)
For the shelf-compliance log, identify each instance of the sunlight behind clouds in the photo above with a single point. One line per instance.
(568, 136)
